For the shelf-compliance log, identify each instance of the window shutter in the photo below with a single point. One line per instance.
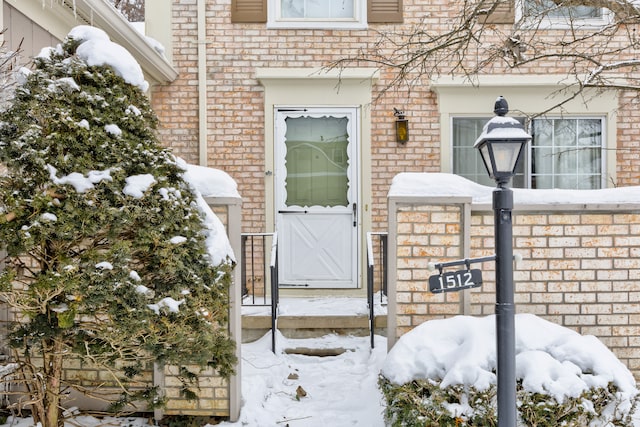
(248, 11)
(384, 11)
(504, 13)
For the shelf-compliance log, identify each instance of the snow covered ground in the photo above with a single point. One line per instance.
(289, 389)
(320, 306)
(340, 391)
(295, 390)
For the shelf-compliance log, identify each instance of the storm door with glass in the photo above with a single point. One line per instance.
(316, 197)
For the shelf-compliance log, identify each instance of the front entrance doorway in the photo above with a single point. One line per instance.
(317, 196)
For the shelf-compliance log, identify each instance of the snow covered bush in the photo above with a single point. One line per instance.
(443, 374)
(107, 255)
(8, 61)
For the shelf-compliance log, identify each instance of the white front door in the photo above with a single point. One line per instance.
(317, 197)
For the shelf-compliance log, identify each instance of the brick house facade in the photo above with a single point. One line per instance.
(237, 65)
(234, 73)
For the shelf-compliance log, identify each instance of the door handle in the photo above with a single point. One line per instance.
(355, 215)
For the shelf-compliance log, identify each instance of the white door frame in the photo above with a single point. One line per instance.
(333, 229)
(318, 86)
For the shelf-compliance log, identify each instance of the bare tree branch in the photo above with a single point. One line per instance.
(133, 10)
(600, 52)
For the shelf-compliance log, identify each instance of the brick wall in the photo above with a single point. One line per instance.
(235, 113)
(425, 233)
(580, 266)
(235, 123)
(212, 390)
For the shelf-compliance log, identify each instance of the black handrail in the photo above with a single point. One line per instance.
(383, 254)
(370, 277)
(275, 290)
(249, 259)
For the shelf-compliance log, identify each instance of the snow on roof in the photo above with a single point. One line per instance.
(450, 185)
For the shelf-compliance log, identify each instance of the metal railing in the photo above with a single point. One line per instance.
(381, 252)
(254, 275)
(275, 290)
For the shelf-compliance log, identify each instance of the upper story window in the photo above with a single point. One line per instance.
(322, 14)
(553, 14)
(315, 9)
(317, 14)
(565, 153)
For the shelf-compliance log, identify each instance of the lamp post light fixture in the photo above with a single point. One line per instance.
(501, 144)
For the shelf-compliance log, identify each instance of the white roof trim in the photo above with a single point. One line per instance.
(103, 15)
(486, 80)
(317, 73)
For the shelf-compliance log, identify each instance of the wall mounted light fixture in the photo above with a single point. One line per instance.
(402, 127)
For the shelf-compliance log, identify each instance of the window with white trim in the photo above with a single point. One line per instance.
(565, 152)
(347, 14)
(466, 159)
(553, 14)
(317, 14)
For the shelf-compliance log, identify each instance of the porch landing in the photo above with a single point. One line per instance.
(314, 317)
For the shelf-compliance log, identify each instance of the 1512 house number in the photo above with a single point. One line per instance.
(455, 281)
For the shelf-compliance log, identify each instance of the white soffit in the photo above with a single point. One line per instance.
(59, 16)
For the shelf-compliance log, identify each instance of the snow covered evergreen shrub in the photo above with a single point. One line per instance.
(107, 259)
(8, 62)
(443, 373)
(425, 403)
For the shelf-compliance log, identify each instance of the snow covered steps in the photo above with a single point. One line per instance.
(255, 326)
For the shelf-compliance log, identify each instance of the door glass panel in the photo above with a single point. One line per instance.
(316, 161)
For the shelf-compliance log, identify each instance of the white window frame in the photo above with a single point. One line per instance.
(526, 162)
(526, 94)
(603, 151)
(560, 22)
(481, 175)
(358, 22)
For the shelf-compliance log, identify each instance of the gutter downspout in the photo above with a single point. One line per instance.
(202, 83)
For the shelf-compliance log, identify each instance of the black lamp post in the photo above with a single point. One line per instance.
(501, 144)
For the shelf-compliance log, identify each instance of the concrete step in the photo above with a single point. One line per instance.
(311, 326)
(313, 317)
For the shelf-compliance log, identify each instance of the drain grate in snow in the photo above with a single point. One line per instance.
(320, 352)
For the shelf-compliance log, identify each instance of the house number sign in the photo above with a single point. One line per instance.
(455, 281)
(451, 281)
